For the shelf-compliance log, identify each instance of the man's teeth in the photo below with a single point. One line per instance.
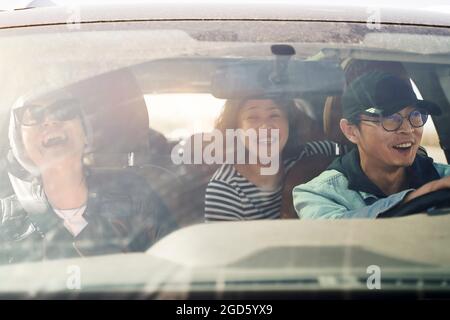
(404, 145)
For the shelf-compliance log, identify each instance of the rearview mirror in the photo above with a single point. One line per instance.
(263, 79)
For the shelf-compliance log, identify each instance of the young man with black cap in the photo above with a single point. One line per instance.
(384, 119)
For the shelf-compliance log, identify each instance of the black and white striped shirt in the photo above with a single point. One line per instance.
(231, 196)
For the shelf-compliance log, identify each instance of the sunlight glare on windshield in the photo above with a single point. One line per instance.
(179, 115)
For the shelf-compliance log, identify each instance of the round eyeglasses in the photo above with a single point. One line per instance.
(416, 118)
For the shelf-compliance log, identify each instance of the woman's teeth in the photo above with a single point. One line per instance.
(272, 140)
(53, 139)
(52, 136)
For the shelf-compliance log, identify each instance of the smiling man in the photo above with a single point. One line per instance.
(384, 119)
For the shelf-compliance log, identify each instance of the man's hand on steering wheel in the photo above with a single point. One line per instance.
(443, 183)
(432, 194)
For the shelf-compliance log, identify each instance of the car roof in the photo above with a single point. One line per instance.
(345, 11)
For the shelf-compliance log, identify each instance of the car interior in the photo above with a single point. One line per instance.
(181, 187)
(121, 70)
(122, 137)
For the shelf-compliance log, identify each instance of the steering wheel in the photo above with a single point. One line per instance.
(439, 199)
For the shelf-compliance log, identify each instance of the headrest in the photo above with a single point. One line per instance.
(115, 111)
(332, 114)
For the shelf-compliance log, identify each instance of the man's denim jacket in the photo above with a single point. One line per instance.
(328, 196)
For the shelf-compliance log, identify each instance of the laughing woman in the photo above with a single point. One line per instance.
(240, 191)
(64, 209)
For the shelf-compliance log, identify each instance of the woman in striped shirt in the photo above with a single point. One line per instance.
(240, 191)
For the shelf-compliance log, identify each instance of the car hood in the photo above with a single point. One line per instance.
(298, 253)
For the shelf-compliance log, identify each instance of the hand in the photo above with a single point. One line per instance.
(443, 183)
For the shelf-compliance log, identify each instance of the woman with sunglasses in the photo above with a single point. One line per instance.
(64, 209)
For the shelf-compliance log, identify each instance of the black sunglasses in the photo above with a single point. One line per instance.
(416, 118)
(62, 110)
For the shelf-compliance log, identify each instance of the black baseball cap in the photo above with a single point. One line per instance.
(380, 93)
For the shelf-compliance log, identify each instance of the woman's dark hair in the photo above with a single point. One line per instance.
(228, 119)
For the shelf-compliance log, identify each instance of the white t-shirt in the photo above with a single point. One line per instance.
(73, 219)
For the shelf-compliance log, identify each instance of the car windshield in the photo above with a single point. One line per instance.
(171, 149)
